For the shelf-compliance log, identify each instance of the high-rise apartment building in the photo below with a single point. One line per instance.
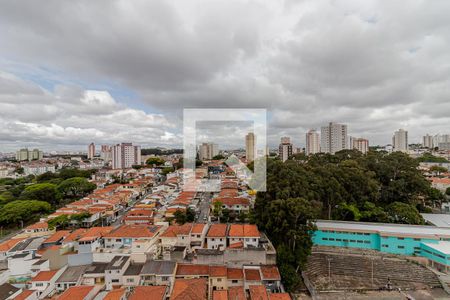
(91, 151)
(360, 144)
(400, 140)
(125, 155)
(312, 142)
(250, 140)
(333, 138)
(25, 154)
(106, 153)
(428, 141)
(206, 151)
(285, 148)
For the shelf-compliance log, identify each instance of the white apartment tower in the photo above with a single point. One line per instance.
(312, 142)
(250, 146)
(91, 151)
(125, 155)
(206, 151)
(285, 148)
(106, 153)
(400, 140)
(334, 138)
(428, 141)
(360, 144)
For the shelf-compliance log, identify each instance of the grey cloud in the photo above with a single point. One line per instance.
(374, 65)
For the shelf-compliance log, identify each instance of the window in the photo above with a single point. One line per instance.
(118, 240)
(416, 239)
(219, 279)
(39, 284)
(324, 239)
(385, 246)
(234, 281)
(366, 242)
(338, 240)
(352, 241)
(130, 279)
(115, 280)
(401, 247)
(331, 239)
(400, 238)
(360, 242)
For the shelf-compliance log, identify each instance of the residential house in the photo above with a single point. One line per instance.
(246, 234)
(158, 272)
(114, 271)
(193, 289)
(216, 238)
(71, 276)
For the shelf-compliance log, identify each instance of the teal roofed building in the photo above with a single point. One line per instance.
(430, 242)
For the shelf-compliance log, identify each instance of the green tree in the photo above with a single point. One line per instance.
(218, 157)
(24, 211)
(180, 217)
(43, 192)
(437, 170)
(217, 210)
(60, 222)
(190, 215)
(155, 161)
(76, 187)
(403, 213)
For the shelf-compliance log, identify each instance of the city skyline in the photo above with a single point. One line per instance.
(77, 93)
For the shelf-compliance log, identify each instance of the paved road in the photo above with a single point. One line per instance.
(204, 208)
(118, 220)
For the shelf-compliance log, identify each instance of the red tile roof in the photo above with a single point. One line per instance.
(133, 231)
(217, 230)
(24, 295)
(115, 294)
(236, 293)
(233, 201)
(235, 273)
(243, 230)
(220, 295)
(270, 273)
(280, 296)
(95, 232)
(38, 225)
(252, 274)
(156, 292)
(57, 236)
(188, 269)
(44, 275)
(258, 292)
(176, 230)
(75, 235)
(189, 289)
(7, 245)
(198, 228)
(218, 271)
(76, 292)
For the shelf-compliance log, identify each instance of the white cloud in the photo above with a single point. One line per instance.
(375, 65)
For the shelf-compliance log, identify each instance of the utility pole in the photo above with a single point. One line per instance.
(329, 270)
(372, 272)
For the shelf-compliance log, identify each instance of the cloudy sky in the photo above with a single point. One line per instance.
(72, 72)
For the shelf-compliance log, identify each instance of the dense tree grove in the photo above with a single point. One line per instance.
(40, 194)
(350, 186)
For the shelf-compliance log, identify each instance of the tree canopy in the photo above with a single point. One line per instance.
(350, 186)
(76, 187)
(43, 192)
(23, 210)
